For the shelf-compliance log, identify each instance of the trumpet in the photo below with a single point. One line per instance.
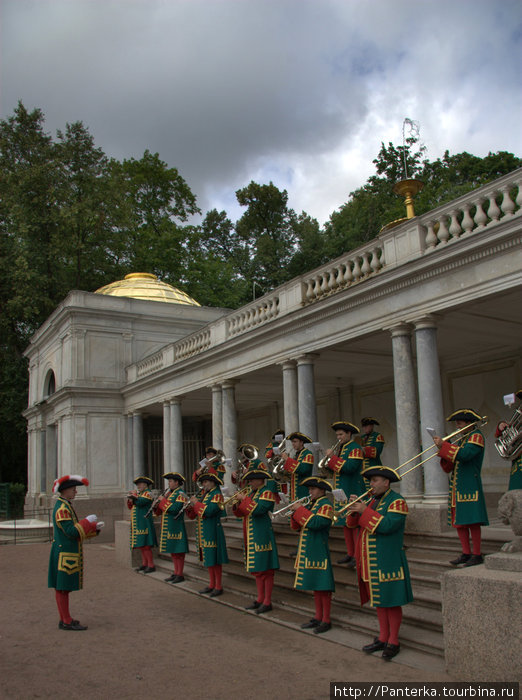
(340, 513)
(322, 469)
(155, 502)
(235, 495)
(187, 505)
(305, 500)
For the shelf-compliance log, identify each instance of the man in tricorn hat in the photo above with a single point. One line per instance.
(300, 466)
(372, 442)
(261, 558)
(66, 558)
(466, 502)
(173, 534)
(313, 566)
(143, 533)
(382, 568)
(208, 508)
(346, 467)
(213, 459)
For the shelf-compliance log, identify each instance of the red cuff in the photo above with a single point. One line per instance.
(370, 452)
(290, 465)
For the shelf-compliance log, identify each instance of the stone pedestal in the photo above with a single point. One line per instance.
(482, 619)
(432, 519)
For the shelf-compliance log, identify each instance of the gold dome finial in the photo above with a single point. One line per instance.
(144, 285)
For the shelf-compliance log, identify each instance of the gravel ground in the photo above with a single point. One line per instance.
(146, 639)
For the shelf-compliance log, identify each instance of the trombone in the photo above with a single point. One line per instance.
(305, 500)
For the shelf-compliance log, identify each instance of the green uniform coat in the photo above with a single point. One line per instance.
(312, 564)
(66, 558)
(173, 535)
(381, 561)
(143, 533)
(260, 549)
(463, 461)
(346, 470)
(270, 483)
(372, 445)
(299, 468)
(515, 477)
(210, 537)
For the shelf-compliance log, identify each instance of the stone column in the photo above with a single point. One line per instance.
(51, 453)
(176, 437)
(129, 462)
(217, 417)
(430, 405)
(290, 400)
(229, 424)
(306, 396)
(166, 436)
(406, 411)
(137, 445)
(42, 466)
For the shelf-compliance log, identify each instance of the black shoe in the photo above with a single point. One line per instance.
(390, 650)
(474, 560)
(345, 560)
(323, 627)
(171, 578)
(462, 559)
(376, 645)
(141, 568)
(310, 624)
(216, 592)
(263, 609)
(178, 579)
(149, 570)
(293, 553)
(206, 590)
(351, 564)
(253, 606)
(74, 625)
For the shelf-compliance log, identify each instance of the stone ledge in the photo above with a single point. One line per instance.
(504, 561)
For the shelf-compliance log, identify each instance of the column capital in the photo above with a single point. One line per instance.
(229, 383)
(426, 321)
(307, 359)
(215, 388)
(399, 330)
(176, 400)
(287, 364)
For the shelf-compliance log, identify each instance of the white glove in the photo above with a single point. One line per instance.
(92, 518)
(99, 525)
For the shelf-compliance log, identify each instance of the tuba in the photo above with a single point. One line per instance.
(322, 469)
(509, 444)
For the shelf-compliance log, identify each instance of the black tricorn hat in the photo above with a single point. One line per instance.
(145, 479)
(317, 481)
(256, 474)
(369, 421)
(467, 414)
(386, 472)
(214, 450)
(174, 475)
(518, 394)
(299, 436)
(279, 431)
(345, 425)
(211, 476)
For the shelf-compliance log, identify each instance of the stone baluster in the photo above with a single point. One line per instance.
(431, 237)
(480, 215)
(507, 205)
(454, 228)
(443, 233)
(493, 210)
(467, 222)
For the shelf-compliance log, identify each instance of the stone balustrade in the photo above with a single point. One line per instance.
(477, 211)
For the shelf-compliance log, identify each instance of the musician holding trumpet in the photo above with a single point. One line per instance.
(300, 466)
(345, 462)
(143, 534)
(312, 564)
(260, 547)
(208, 508)
(382, 568)
(173, 534)
(466, 502)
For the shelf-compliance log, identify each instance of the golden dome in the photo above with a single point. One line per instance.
(143, 285)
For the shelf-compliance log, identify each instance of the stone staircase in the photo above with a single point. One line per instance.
(353, 626)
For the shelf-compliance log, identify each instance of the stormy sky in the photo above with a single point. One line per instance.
(299, 92)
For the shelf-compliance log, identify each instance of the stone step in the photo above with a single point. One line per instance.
(353, 626)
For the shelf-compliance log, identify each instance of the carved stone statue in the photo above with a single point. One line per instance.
(510, 512)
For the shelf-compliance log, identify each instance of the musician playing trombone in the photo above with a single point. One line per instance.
(260, 547)
(143, 534)
(515, 476)
(466, 502)
(312, 564)
(382, 568)
(345, 464)
(173, 535)
(207, 507)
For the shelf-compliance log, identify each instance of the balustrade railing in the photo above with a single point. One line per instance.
(252, 315)
(150, 364)
(192, 345)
